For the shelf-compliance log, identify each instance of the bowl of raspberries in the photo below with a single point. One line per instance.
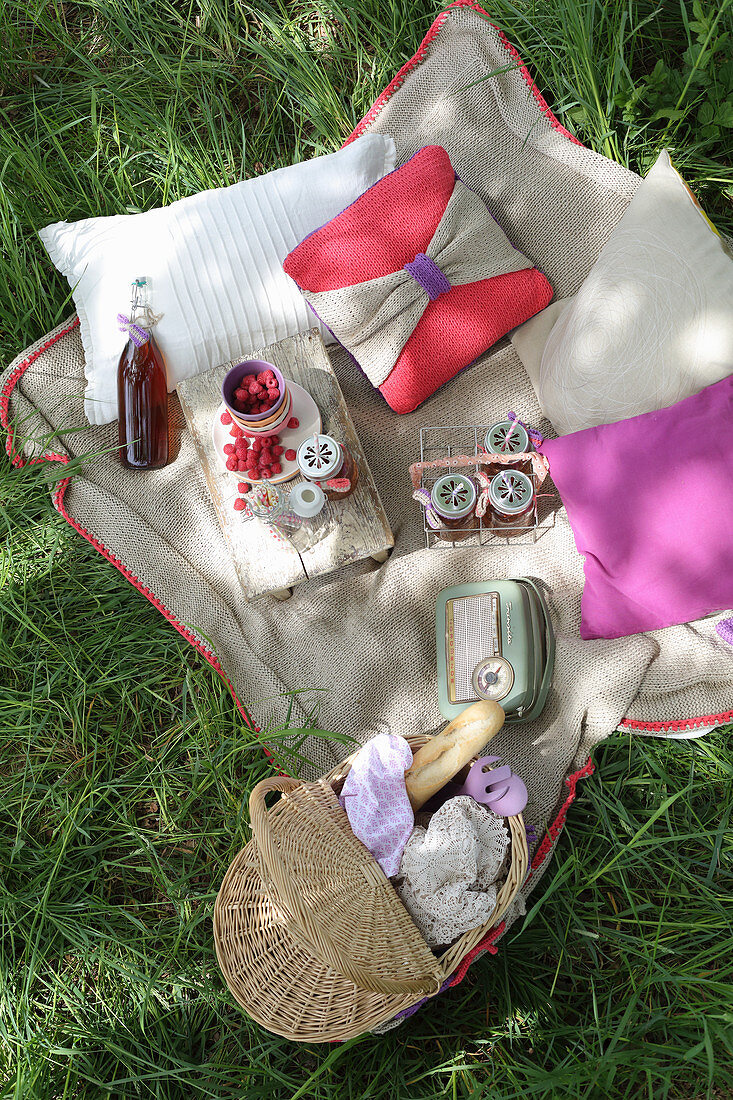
(256, 395)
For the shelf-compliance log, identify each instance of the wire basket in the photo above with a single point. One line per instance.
(464, 443)
(311, 936)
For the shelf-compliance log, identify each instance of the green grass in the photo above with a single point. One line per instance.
(124, 767)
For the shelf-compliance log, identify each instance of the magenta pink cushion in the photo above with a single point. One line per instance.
(650, 501)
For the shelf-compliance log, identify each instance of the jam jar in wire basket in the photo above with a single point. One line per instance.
(512, 502)
(508, 437)
(453, 499)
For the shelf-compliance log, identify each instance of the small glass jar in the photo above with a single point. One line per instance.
(268, 503)
(453, 499)
(512, 503)
(508, 437)
(301, 515)
(308, 512)
(321, 458)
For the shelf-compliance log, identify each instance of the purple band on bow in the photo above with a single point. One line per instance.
(427, 273)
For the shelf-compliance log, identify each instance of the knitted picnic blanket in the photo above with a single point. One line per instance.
(354, 652)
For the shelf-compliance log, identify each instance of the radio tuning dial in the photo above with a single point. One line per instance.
(493, 678)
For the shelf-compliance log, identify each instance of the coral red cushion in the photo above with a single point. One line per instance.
(416, 279)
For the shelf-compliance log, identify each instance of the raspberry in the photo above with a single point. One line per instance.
(276, 468)
(242, 465)
(264, 471)
(269, 376)
(242, 487)
(228, 448)
(236, 431)
(240, 447)
(226, 417)
(240, 394)
(239, 504)
(265, 458)
(293, 422)
(231, 463)
(254, 473)
(256, 445)
(277, 451)
(290, 454)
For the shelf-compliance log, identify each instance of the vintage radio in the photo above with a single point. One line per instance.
(494, 641)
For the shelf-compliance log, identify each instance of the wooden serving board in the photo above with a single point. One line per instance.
(359, 527)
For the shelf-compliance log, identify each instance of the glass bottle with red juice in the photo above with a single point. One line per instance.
(142, 388)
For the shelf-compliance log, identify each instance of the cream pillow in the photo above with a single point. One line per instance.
(214, 261)
(530, 338)
(653, 321)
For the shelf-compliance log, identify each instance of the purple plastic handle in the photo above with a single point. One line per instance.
(500, 789)
(497, 776)
(511, 803)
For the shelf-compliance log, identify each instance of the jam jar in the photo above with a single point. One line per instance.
(453, 499)
(509, 437)
(322, 459)
(512, 502)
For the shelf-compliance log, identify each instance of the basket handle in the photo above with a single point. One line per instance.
(274, 870)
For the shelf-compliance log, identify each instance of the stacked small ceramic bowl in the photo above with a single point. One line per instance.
(257, 397)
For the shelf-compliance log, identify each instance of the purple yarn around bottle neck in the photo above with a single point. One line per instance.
(427, 273)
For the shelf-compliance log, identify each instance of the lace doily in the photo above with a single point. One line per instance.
(448, 871)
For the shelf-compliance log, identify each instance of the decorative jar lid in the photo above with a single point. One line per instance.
(511, 492)
(453, 496)
(319, 457)
(507, 437)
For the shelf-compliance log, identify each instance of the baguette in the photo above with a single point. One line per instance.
(443, 757)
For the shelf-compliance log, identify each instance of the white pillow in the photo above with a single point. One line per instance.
(214, 262)
(652, 323)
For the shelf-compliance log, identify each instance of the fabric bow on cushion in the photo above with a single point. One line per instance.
(416, 279)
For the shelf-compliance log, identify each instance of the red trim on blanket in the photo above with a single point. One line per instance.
(683, 724)
(415, 60)
(8, 389)
(486, 944)
(58, 499)
(553, 832)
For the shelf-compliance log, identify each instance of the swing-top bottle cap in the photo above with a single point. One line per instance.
(307, 500)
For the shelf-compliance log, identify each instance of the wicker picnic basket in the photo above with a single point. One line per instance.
(311, 937)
